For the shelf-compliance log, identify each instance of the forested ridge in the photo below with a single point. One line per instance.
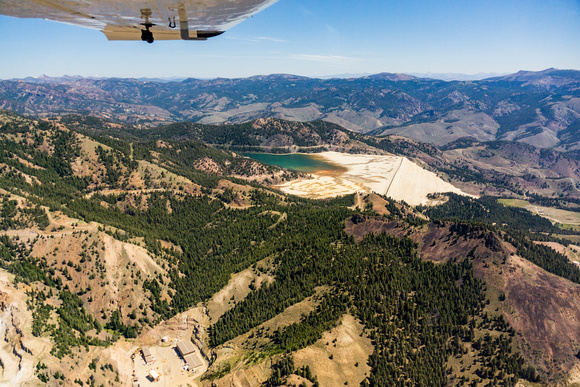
(391, 290)
(417, 314)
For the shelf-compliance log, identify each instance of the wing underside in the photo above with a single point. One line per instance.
(125, 19)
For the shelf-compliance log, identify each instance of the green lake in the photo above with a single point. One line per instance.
(306, 163)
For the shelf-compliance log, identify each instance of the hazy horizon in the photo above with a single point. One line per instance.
(428, 75)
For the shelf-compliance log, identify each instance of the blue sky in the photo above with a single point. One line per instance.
(318, 38)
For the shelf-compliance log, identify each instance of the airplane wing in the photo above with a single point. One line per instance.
(142, 19)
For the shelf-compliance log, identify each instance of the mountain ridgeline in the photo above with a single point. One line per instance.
(539, 108)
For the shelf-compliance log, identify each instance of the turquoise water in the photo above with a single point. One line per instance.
(295, 161)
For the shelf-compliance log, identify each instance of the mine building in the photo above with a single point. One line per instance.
(147, 355)
(185, 348)
(190, 355)
(154, 376)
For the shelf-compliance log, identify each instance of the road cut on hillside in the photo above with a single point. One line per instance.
(393, 176)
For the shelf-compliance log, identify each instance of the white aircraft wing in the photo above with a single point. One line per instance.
(142, 19)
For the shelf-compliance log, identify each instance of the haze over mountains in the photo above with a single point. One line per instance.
(458, 76)
(539, 108)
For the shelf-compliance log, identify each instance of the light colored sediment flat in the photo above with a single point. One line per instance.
(393, 176)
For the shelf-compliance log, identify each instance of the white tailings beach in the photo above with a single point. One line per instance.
(392, 176)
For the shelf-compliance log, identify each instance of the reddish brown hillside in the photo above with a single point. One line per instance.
(544, 309)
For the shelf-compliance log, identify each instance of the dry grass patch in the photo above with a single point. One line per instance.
(237, 290)
(340, 356)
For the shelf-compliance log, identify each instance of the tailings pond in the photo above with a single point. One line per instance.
(305, 163)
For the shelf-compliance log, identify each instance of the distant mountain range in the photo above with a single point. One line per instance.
(539, 108)
(458, 76)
